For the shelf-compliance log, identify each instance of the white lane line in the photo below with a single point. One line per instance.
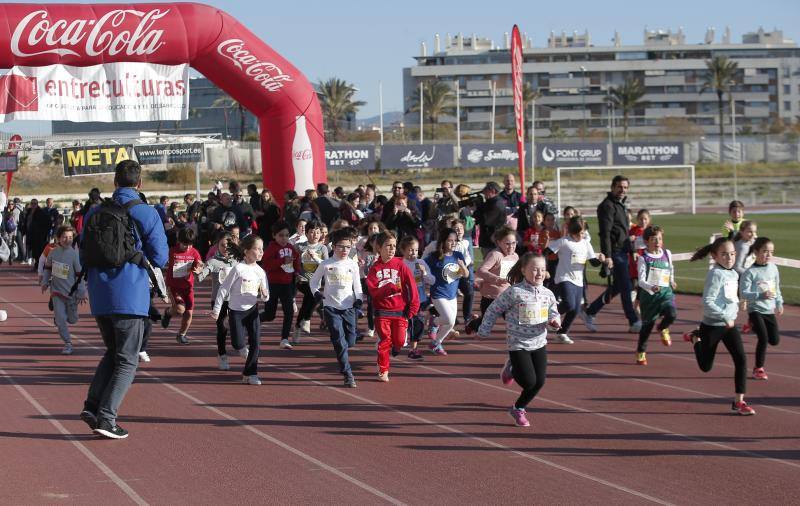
(220, 413)
(94, 459)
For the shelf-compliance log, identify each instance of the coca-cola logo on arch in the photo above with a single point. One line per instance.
(268, 75)
(127, 31)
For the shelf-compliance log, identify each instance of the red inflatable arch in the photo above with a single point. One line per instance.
(206, 38)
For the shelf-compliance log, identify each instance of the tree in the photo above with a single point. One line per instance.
(528, 96)
(228, 102)
(556, 132)
(337, 103)
(627, 98)
(438, 99)
(721, 76)
(679, 127)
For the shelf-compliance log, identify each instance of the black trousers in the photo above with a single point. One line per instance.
(307, 306)
(766, 328)
(706, 348)
(529, 369)
(485, 303)
(283, 293)
(222, 332)
(246, 322)
(668, 315)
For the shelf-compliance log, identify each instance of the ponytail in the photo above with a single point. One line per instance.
(709, 248)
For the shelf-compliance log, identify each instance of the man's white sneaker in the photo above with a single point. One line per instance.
(244, 351)
(222, 363)
(564, 339)
(251, 380)
(305, 326)
(144, 357)
(285, 344)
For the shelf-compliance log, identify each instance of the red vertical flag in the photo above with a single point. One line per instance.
(519, 114)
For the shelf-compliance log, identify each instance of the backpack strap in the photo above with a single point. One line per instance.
(138, 258)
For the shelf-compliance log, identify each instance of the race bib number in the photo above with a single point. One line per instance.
(222, 274)
(310, 261)
(419, 276)
(578, 258)
(731, 291)
(61, 271)
(658, 277)
(181, 269)
(339, 278)
(763, 286)
(250, 286)
(287, 268)
(505, 268)
(533, 313)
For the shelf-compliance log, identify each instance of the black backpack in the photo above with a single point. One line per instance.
(108, 239)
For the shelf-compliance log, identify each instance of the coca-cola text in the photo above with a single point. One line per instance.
(266, 74)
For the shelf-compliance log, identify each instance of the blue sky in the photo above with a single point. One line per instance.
(364, 42)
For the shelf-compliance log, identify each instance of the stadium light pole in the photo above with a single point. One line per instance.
(458, 119)
(380, 107)
(421, 106)
(735, 151)
(583, 100)
(494, 94)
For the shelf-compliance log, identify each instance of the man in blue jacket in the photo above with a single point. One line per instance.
(119, 299)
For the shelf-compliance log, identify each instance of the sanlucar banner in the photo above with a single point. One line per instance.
(350, 157)
(417, 156)
(573, 154)
(125, 91)
(155, 154)
(648, 153)
(489, 155)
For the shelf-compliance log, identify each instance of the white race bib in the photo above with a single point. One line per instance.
(533, 313)
(763, 286)
(451, 272)
(338, 278)
(578, 257)
(658, 277)
(181, 269)
(222, 274)
(61, 271)
(287, 268)
(731, 290)
(505, 268)
(250, 286)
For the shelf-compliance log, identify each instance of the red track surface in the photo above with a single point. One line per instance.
(603, 429)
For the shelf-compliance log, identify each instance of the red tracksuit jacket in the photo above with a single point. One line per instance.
(274, 258)
(392, 287)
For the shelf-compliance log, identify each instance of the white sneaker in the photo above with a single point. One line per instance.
(588, 320)
(636, 327)
(244, 352)
(144, 357)
(296, 336)
(305, 326)
(222, 363)
(67, 349)
(371, 332)
(285, 344)
(251, 380)
(564, 339)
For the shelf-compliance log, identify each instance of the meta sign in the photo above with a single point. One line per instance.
(90, 160)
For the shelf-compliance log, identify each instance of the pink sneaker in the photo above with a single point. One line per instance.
(439, 350)
(760, 374)
(505, 375)
(519, 417)
(742, 408)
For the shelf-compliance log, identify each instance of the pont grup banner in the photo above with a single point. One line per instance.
(125, 91)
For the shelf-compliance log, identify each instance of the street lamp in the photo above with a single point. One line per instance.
(583, 100)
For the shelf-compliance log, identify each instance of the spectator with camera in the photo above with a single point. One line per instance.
(490, 214)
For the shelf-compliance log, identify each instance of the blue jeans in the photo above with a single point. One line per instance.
(342, 326)
(122, 335)
(571, 295)
(621, 284)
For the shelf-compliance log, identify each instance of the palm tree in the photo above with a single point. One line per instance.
(627, 98)
(337, 102)
(720, 77)
(228, 102)
(528, 96)
(438, 99)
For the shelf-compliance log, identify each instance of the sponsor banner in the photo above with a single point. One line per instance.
(519, 113)
(350, 157)
(417, 156)
(571, 154)
(648, 153)
(112, 92)
(489, 155)
(170, 153)
(9, 162)
(90, 160)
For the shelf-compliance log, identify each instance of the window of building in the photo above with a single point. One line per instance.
(772, 73)
(632, 55)
(787, 89)
(771, 89)
(787, 106)
(787, 72)
(773, 107)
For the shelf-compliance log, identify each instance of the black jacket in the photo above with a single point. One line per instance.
(613, 225)
(490, 215)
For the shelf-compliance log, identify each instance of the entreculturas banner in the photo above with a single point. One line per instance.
(125, 91)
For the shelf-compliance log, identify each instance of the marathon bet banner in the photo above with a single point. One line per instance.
(573, 154)
(170, 153)
(125, 91)
(350, 157)
(490, 155)
(90, 160)
(417, 156)
(648, 153)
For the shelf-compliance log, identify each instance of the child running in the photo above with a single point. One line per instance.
(447, 267)
(656, 276)
(760, 286)
(720, 306)
(341, 298)
(242, 287)
(495, 267)
(529, 310)
(282, 263)
(365, 252)
(312, 254)
(61, 268)
(394, 297)
(220, 266)
(742, 241)
(736, 214)
(573, 251)
(409, 248)
(184, 260)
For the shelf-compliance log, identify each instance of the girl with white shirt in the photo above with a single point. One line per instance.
(243, 286)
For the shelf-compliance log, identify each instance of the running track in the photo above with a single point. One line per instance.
(603, 430)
